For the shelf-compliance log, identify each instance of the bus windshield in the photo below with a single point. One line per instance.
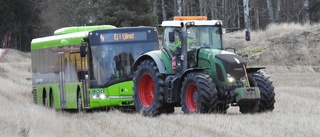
(112, 62)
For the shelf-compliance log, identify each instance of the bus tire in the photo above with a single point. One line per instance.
(51, 100)
(79, 103)
(44, 99)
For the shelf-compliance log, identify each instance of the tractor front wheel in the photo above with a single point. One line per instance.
(198, 94)
(267, 95)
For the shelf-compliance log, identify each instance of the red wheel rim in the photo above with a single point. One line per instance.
(146, 90)
(191, 104)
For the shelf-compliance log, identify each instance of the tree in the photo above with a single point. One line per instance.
(124, 13)
(21, 19)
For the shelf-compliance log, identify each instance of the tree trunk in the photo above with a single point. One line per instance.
(306, 12)
(164, 12)
(257, 16)
(179, 7)
(213, 9)
(238, 15)
(246, 14)
(175, 7)
(278, 10)
(155, 7)
(270, 10)
(203, 7)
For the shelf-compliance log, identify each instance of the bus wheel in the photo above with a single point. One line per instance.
(79, 103)
(44, 99)
(51, 101)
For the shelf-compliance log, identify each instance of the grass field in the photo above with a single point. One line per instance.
(296, 113)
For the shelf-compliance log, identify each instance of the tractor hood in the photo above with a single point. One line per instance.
(225, 63)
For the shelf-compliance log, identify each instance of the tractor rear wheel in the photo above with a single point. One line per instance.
(148, 89)
(198, 94)
(267, 95)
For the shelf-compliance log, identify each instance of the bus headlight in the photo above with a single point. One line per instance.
(94, 96)
(102, 96)
(230, 78)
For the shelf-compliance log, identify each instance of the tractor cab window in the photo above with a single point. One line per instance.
(171, 45)
(198, 36)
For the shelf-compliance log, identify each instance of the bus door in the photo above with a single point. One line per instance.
(62, 80)
(85, 82)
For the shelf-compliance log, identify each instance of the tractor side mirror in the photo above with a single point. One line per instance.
(232, 49)
(171, 37)
(247, 35)
(83, 51)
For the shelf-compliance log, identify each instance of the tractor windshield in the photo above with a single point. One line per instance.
(204, 36)
(198, 36)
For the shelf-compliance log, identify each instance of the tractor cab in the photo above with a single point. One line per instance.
(200, 33)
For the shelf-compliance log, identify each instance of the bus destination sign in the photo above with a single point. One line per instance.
(124, 37)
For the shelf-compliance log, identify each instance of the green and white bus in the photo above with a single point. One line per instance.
(88, 67)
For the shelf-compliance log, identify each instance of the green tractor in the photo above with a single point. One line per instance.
(194, 72)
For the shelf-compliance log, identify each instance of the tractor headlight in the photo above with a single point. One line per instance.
(230, 78)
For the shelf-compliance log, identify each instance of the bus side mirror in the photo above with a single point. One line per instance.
(83, 51)
(171, 37)
(247, 35)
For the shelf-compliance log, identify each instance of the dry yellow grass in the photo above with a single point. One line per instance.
(296, 113)
(282, 44)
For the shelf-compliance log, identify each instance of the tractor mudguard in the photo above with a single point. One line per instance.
(254, 68)
(185, 73)
(153, 55)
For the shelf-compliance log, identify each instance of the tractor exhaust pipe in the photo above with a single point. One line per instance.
(184, 44)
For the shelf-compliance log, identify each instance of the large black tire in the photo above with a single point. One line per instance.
(51, 101)
(198, 94)
(45, 99)
(148, 89)
(261, 80)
